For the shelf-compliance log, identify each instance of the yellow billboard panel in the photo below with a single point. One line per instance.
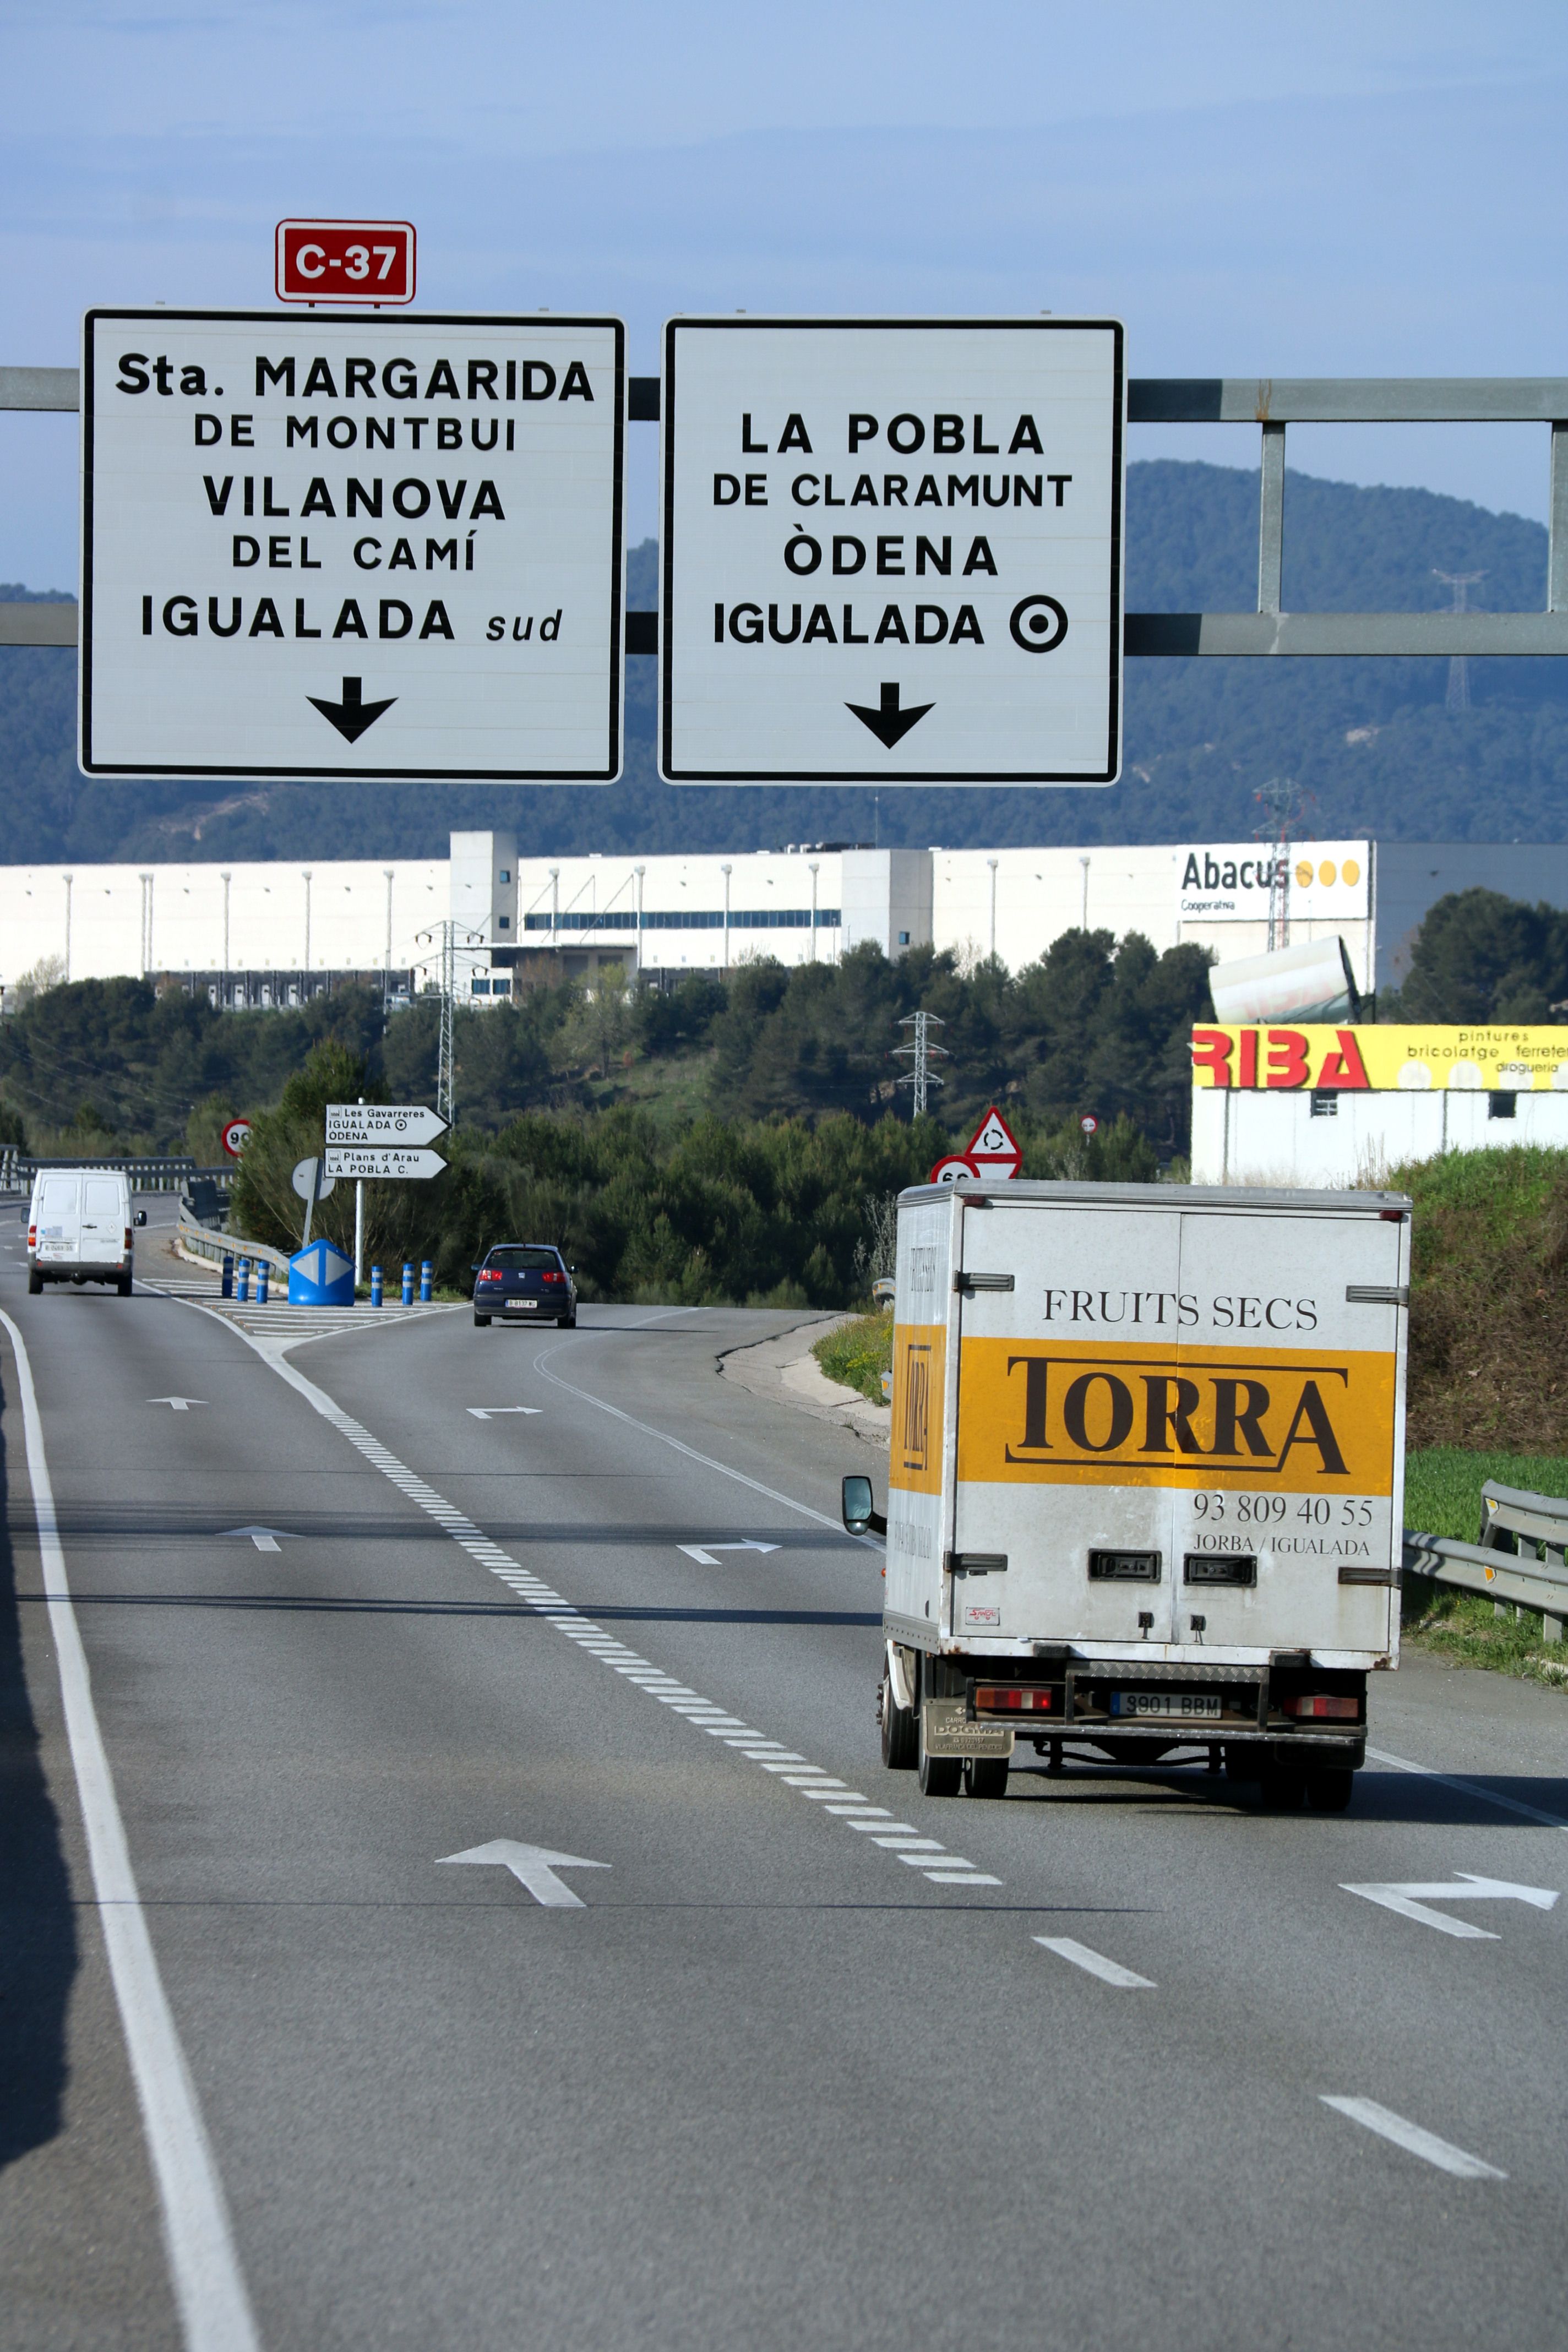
(1397, 1059)
(1047, 1413)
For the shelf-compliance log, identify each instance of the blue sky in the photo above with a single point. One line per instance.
(1377, 188)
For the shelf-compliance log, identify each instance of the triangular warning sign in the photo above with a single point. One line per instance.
(994, 1149)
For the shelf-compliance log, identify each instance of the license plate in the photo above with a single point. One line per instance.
(1185, 1706)
(521, 1305)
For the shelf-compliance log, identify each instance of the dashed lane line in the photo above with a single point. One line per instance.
(1414, 2139)
(1095, 1964)
(793, 1770)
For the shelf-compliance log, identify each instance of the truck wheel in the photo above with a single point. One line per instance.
(1330, 1792)
(34, 1284)
(940, 1776)
(482, 1322)
(123, 1286)
(1281, 1789)
(985, 1776)
(900, 1732)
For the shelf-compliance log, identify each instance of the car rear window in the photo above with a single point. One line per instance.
(519, 1259)
(102, 1197)
(56, 1195)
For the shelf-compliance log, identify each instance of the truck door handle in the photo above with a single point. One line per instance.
(1377, 1293)
(967, 1284)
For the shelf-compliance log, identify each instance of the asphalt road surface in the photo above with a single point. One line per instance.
(777, 2053)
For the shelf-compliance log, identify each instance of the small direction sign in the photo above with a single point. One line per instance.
(330, 543)
(891, 550)
(400, 1123)
(383, 1164)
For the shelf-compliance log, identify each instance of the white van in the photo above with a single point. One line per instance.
(79, 1226)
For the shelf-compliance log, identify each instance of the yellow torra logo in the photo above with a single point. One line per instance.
(1149, 1412)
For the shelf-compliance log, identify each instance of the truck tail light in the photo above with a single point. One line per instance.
(1342, 1707)
(32, 1237)
(126, 1241)
(997, 1699)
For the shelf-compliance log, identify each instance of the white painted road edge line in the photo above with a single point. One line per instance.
(1410, 2137)
(1469, 1789)
(209, 2288)
(1095, 1964)
(938, 1866)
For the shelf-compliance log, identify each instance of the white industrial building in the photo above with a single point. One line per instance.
(273, 933)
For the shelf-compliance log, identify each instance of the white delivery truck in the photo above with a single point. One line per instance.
(79, 1226)
(1145, 1487)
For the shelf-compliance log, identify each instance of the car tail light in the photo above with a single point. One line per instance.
(998, 1698)
(1343, 1707)
(488, 1275)
(555, 1278)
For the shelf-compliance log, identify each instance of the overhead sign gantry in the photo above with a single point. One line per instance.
(891, 550)
(319, 545)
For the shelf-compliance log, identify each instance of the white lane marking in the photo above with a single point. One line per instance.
(1095, 1964)
(961, 1878)
(531, 1590)
(209, 2287)
(264, 1538)
(1469, 1789)
(703, 1553)
(1404, 1895)
(1416, 2142)
(180, 1404)
(494, 1411)
(533, 1866)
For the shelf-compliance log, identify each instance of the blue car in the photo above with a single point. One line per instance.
(525, 1282)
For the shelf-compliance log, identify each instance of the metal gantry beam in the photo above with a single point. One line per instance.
(1269, 402)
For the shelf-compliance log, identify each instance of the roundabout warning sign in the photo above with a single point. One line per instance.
(892, 551)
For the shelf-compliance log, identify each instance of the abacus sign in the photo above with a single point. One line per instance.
(892, 551)
(325, 545)
(344, 261)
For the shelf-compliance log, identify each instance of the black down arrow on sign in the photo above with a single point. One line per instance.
(351, 717)
(889, 724)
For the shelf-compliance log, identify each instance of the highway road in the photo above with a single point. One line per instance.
(776, 2053)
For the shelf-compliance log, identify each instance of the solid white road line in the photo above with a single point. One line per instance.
(209, 2289)
(1416, 2142)
(1469, 1788)
(563, 1614)
(1110, 1973)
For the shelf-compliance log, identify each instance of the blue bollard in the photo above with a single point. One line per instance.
(242, 1285)
(426, 1272)
(407, 1286)
(227, 1290)
(263, 1271)
(375, 1286)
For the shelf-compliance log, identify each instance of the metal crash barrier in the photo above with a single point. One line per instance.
(1533, 1578)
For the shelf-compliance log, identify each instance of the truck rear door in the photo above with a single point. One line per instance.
(1289, 1484)
(1068, 1324)
(104, 1217)
(58, 1220)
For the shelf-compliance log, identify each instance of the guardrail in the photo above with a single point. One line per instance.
(168, 1173)
(1536, 1580)
(199, 1241)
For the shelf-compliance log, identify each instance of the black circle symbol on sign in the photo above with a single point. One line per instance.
(1039, 624)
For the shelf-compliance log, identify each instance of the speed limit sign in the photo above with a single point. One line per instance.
(1089, 1123)
(235, 1136)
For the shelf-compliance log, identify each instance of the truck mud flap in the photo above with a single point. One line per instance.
(948, 1730)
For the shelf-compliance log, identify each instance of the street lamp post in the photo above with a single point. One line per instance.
(725, 870)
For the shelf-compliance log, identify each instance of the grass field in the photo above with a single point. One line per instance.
(858, 1353)
(1442, 1498)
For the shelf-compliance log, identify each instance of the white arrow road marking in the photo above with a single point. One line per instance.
(489, 1412)
(535, 1866)
(703, 1553)
(1405, 1897)
(1095, 1964)
(264, 1538)
(1410, 2137)
(181, 1405)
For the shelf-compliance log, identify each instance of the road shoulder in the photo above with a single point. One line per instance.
(783, 1371)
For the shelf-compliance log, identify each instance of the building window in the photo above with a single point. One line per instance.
(479, 987)
(1502, 1105)
(903, 939)
(501, 988)
(506, 874)
(503, 922)
(1325, 1103)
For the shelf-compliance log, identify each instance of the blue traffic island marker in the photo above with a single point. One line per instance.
(321, 1277)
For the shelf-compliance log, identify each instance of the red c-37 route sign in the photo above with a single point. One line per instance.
(336, 262)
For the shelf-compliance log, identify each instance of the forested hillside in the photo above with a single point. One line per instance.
(1371, 739)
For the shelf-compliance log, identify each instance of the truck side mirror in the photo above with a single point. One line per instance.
(861, 1517)
(140, 1217)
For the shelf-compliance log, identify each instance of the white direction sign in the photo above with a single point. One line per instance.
(892, 551)
(405, 1123)
(319, 545)
(381, 1163)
